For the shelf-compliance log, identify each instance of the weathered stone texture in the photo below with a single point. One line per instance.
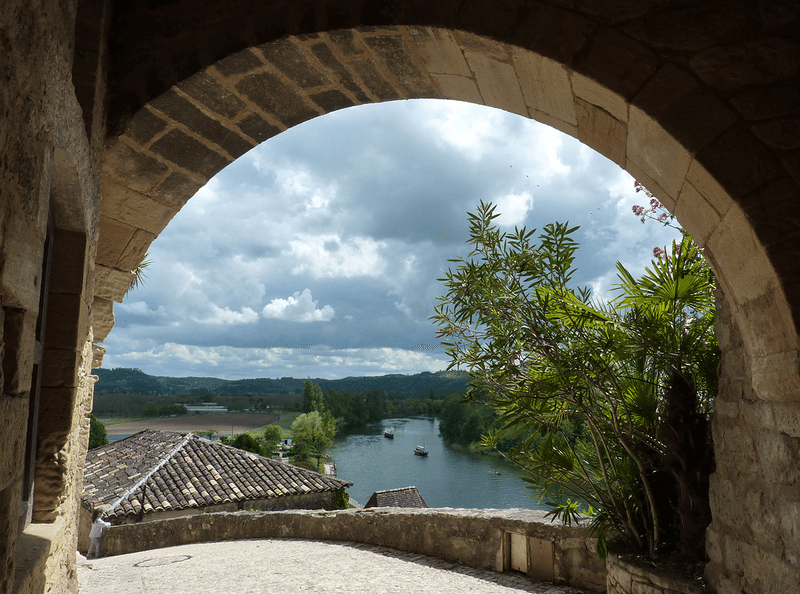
(476, 538)
(697, 100)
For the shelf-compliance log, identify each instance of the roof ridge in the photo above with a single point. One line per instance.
(146, 477)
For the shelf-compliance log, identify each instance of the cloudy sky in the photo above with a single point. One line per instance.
(317, 253)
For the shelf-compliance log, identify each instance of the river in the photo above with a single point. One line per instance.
(445, 478)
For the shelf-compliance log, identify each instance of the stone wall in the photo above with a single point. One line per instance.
(754, 538)
(305, 501)
(500, 540)
(627, 578)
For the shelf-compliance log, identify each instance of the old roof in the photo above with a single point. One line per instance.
(404, 497)
(175, 471)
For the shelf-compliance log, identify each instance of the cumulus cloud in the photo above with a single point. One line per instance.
(331, 256)
(364, 206)
(514, 208)
(225, 315)
(300, 307)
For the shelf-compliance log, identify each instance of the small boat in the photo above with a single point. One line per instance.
(388, 434)
(420, 451)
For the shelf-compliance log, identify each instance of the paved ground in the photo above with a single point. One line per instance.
(289, 566)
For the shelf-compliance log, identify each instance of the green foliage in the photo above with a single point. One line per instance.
(207, 433)
(273, 434)
(611, 400)
(341, 500)
(284, 393)
(312, 434)
(248, 443)
(312, 397)
(97, 433)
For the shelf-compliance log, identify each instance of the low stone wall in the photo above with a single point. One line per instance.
(624, 578)
(501, 540)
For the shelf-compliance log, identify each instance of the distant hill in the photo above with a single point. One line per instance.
(135, 381)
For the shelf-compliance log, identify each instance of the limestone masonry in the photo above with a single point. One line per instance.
(114, 112)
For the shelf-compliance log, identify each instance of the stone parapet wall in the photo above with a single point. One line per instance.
(626, 578)
(500, 540)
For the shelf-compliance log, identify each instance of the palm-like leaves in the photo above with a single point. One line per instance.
(546, 357)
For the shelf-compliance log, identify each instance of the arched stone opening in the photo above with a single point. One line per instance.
(697, 121)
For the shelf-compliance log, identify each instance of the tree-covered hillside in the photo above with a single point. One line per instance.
(135, 381)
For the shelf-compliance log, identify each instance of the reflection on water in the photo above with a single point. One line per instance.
(445, 478)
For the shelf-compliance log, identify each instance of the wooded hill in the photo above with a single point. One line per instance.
(419, 385)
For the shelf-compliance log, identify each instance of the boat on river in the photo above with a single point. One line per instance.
(388, 434)
(420, 451)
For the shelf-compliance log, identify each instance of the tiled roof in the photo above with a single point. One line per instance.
(174, 471)
(405, 497)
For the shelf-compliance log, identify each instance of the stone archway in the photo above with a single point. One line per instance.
(702, 117)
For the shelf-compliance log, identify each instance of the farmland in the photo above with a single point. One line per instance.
(224, 424)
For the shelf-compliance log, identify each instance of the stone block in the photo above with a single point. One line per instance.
(779, 456)
(332, 100)
(737, 448)
(187, 152)
(688, 111)
(599, 130)
(112, 283)
(13, 431)
(258, 128)
(374, 80)
(738, 251)
(98, 352)
(656, 152)
(102, 318)
(21, 264)
(395, 56)
(458, 88)
(134, 209)
(276, 98)
(182, 110)
(67, 321)
(617, 62)
(340, 73)
(239, 63)
(68, 270)
(739, 162)
(19, 337)
(212, 94)
(596, 94)
(145, 126)
(555, 32)
(733, 67)
(652, 185)
(696, 215)
(135, 251)
(765, 103)
(497, 83)
(440, 52)
(177, 188)
(346, 44)
(114, 238)
(60, 368)
(546, 87)
(289, 59)
(709, 188)
(140, 172)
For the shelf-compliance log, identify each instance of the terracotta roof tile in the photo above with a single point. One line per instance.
(404, 497)
(173, 471)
